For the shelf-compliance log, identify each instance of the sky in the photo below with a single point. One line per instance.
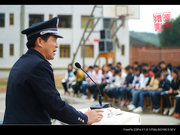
(145, 22)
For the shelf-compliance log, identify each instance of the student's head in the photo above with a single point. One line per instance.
(162, 64)
(85, 68)
(118, 64)
(135, 64)
(96, 68)
(137, 71)
(145, 72)
(174, 73)
(113, 70)
(105, 68)
(145, 65)
(178, 69)
(70, 67)
(129, 69)
(159, 76)
(164, 71)
(109, 67)
(118, 72)
(90, 68)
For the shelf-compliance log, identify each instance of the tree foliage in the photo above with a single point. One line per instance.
(171, 37)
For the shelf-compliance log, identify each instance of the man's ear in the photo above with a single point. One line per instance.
(39, 42)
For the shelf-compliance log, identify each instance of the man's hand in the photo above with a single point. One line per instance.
(94, 115)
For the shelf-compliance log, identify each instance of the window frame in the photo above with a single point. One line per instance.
(11, 52)
(61, 21)
(30, 23)
(3, 19)
(64, 51)
(88, 52)
(11, 19)
(83, 24)
(1, 49)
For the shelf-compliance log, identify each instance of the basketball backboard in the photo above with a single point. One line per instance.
(114, 11)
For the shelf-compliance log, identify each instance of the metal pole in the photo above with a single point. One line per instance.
(84, 42)
(74, 55)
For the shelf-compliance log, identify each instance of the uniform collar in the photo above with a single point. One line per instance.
(33, 51)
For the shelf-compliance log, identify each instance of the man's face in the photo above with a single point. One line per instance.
(49, 47)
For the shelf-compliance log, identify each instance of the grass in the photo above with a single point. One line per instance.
(58, 78)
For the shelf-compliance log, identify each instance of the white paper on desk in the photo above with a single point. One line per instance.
(110, 112)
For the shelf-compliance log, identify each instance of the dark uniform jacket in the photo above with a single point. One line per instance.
(32, 97)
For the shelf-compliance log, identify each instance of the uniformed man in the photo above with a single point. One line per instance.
(31, 96)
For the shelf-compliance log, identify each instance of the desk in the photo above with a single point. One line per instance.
(112, 116)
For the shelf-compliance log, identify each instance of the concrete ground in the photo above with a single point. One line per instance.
(147, 117)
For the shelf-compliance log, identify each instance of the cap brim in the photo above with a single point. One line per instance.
(57, 35)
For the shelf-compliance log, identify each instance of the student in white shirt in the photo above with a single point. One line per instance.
(96, 76)
(135, 85)
(143, 82)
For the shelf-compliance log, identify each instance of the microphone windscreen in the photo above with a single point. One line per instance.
(77, 65)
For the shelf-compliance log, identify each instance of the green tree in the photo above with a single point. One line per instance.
(170, 37)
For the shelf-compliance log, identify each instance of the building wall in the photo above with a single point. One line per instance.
(71, 35)
(153, 55)
(10, 35)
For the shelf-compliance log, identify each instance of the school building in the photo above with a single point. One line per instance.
(73, 20)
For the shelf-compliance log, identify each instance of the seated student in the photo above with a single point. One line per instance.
(69, 78)
(112, 90)
(84, 83)
(164, 71)
(162, 65)
(128, 81)
(144, 82)
(112, 77)
(120, 79)
(96, 76)
(105, 80)
(76, 85)
(175, 83)
(135, 85)
(164, 85)
(177, 107)
(152, 85)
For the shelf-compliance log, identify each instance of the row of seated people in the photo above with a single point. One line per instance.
(131, 85)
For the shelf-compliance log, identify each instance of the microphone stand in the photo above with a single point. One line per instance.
(100, 105)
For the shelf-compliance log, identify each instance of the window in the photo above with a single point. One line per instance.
(50, 16)
(89, 51)
(11, 50)
(11, 19)
(65, 21)
(1, 50)
(122, 50)
(35, 18)
(2, 19)
(84, 20)
(107, 23)
(64, 51)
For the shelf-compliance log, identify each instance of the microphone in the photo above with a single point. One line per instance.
(95, 106)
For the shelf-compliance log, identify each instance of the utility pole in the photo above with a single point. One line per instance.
(22, 23)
